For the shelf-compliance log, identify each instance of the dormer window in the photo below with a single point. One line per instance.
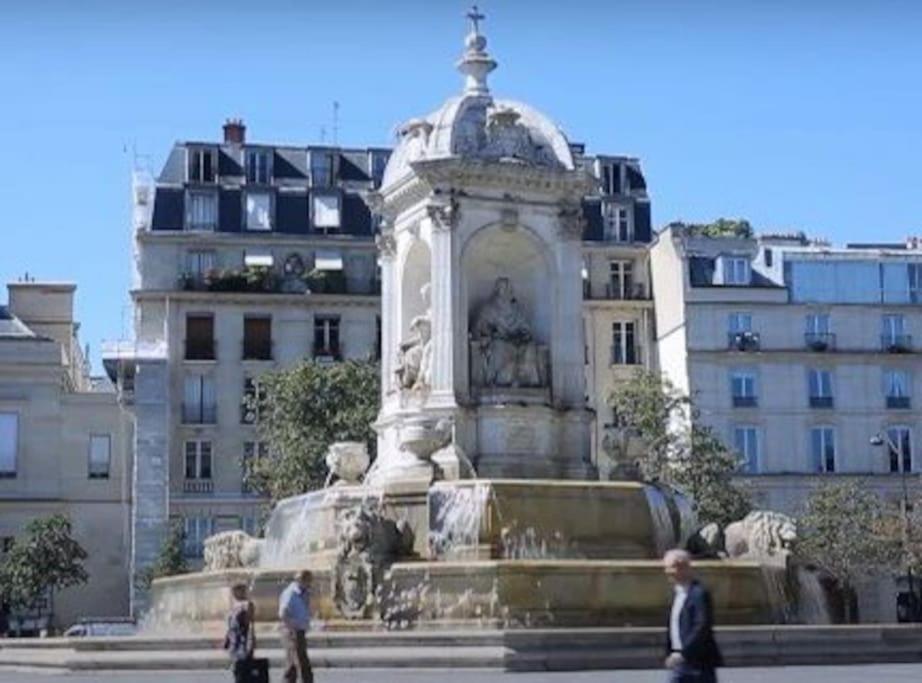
(611, 178)
(259, 211)
(325, 208)
(736, 270)
(322, 169)
(202, 165)
(258, 171)
(617, 223)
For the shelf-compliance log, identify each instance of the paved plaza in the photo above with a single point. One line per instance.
(880, 673)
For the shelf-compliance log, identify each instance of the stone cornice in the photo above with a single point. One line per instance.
(433, 175)
(261, 240)
(257, 298)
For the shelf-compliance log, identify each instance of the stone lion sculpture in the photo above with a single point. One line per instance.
(231, 550)
(761, 535)
(346, 462)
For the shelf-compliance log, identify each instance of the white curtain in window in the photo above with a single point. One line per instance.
(9, 442)
(259, 211)
(203, 210)
(326, 210)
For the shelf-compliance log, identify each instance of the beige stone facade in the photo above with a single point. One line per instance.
(63, 449)
(798, 355)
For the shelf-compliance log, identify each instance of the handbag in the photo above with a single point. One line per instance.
(253, 670)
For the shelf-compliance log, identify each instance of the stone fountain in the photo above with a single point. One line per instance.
(482, 508)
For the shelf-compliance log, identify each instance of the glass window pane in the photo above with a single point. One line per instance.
(9, 442)
(100, 454)
(259, 211)
(326, 210)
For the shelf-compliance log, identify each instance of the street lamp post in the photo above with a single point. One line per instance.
(880, 439)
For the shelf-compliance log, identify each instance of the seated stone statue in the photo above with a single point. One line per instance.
(414, 364)
(510, 356)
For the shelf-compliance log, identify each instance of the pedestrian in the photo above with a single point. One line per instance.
(240, 641)
(692, 655)
(295, 615)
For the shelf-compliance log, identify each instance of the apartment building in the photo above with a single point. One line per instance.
(617, 291)
(802, 357)
(63, 449)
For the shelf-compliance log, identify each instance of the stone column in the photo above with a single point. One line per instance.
(568, 371)
(442, 219)
(387, 250)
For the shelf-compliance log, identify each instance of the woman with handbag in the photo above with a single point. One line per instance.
(240, 641)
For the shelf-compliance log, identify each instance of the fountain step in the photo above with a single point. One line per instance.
(515, 650)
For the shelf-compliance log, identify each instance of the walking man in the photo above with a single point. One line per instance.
(295, 615)
(691, 651)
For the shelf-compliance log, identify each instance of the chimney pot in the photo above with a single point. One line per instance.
(234, 132)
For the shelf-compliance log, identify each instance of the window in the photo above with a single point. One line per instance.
(202, 165)
(257, 337)
(736, 270)
(201, 211)
(739, 323)
(252, 451)
(823, 449)
(617, 223)
(897, 388)
(198, 459)
(819, 388)
(915, 282)
(322, 169)
(769, 258)
(326, 212)
(200, 344)
(199, 263)
(196, 529)
(378, 164)
(9, 444)
(259, 211)
(899, 447)
(621, 280)
(743, 389)
(892, 336)
(258, 166)
(198, 405)
(253, 396)
(249, 524)
(746, 442)
(611, 178)
(326, 337)
(624, 349)
(100, 456)
(816, 331)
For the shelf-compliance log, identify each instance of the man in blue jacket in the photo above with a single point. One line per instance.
(692, 655)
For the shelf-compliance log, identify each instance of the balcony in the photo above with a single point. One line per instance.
(198, 486)
(630, 355)
(899, 402)
(328, 354)
(820, 341)
(744, 341)
(821, 402)
(257, 350)
(745, 401)
(201, 349)
(614, 292)
(199, 413)
(896, 343)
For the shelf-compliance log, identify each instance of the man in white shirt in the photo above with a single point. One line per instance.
(692, 654)
(295, 615)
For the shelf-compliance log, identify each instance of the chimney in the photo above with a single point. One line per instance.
(234, 132)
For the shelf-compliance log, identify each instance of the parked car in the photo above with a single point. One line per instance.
(102, 627)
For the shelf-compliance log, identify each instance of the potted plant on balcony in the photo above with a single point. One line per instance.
(326, 281)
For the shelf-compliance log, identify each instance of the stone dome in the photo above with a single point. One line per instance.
(474, 125)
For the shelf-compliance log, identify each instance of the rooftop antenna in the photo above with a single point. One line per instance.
(335, 123)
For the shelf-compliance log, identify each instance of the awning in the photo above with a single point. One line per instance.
(328, 259)
(258, 258)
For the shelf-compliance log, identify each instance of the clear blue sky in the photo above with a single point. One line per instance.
(795, 114)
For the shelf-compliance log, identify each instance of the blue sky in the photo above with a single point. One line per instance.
(797, 115)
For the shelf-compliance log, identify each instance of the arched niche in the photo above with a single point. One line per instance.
(416, 272)
(521, 256)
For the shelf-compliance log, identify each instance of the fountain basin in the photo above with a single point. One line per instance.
(482, 519)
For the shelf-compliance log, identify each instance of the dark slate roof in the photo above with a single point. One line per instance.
(13, 327)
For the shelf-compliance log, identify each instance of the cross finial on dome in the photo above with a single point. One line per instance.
(476, 63)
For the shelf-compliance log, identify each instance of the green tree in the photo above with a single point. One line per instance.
(301, 412)
(843, 533)
(656, 437)
(722, 227)
(46, 558)
(171, 559)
